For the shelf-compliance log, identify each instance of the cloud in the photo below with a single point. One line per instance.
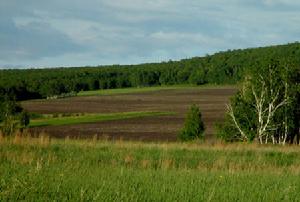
(32, 41)
(75, 33)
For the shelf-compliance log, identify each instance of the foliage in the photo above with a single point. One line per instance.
(12, 115)
(9, 126)
(193, 125)
(221, 68)
(24, 119)
(265, 108)
(8, 106)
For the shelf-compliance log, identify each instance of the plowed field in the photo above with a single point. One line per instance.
(211, 101)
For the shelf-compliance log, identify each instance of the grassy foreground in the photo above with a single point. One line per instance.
(91, 118)
(44, 169)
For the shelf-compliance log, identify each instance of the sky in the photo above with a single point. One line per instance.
(53, 33)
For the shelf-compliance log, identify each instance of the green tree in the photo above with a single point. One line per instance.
(193, 126)
(12, 115)
(263, 108)
(198, 77)
(8, 106)
(24, 119)
(9, 126)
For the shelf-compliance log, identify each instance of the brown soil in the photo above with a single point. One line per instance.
(164, 128)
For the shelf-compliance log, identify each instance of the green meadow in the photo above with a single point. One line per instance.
(47, 120)
(119, 91)
(44, 169)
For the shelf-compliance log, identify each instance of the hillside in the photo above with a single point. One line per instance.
(227, 67)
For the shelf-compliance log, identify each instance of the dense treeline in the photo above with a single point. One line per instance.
(221, 68)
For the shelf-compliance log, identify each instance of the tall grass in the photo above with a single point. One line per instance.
(50, 169)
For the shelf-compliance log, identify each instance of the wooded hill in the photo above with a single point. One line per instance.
(227, 67)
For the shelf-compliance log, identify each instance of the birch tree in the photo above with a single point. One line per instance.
(265, 97)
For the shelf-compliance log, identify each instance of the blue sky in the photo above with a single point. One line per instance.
(40, 33)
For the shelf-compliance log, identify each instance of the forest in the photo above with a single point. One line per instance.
(228, 67)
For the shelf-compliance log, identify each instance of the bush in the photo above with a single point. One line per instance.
(9, 126)
(24, 119)
(12, 115)
(193, 126)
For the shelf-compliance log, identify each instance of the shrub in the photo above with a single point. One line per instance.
(193, 126)
(12, 115)
(9, 126)
(24, 119)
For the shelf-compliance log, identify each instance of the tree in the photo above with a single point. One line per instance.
(12, 115)
(193, 126)
(9, 126)
(24, 119)
(8, 106)
(263, 109)
(198, 76)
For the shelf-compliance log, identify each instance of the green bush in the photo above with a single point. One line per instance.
(193, 126)
(12, 116)
(9, 126)
(24, 119)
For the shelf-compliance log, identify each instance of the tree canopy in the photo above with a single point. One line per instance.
(267, 106)
(227, 67)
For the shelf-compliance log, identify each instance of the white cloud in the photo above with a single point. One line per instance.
(135, 31)
(281, 2)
